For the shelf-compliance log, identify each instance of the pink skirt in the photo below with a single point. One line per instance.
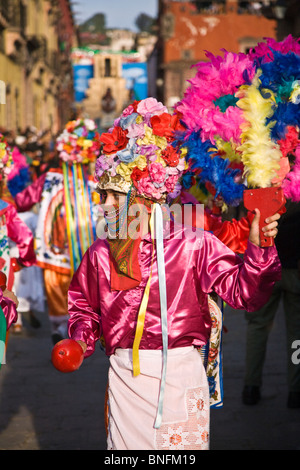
(133, 401)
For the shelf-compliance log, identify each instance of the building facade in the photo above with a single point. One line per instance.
(36, 37)
(188, 29)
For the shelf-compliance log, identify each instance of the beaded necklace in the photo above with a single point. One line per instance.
(116, 219)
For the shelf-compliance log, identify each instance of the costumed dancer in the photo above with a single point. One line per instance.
(145, 287)
(12, 228)
(67, 216)
(30, 300)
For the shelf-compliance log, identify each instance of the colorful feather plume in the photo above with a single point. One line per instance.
(244, 109)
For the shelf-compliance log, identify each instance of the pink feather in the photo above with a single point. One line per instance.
(291, 184)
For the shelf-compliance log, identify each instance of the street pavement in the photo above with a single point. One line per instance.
(43, 409)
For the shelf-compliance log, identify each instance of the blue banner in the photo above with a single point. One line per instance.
(136, 79)
(82, 74)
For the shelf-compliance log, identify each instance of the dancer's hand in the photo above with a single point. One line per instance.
(10, 295)
(270, 229)
(83, 345)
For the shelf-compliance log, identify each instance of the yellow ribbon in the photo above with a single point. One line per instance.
(142, 310)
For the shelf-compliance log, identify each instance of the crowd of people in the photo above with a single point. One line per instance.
(150, 285)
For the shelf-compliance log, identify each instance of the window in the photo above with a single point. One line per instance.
(107, 68)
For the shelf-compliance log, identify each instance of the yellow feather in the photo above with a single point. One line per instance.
(260, 155)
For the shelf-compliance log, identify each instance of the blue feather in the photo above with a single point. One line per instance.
(212, 168)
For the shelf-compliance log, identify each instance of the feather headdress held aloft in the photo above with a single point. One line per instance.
(245, 108)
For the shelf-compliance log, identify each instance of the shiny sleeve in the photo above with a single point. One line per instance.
(83, 303)
(242, 283)
(233, 234)
(9, 309)
(22, 236)
(31, 195)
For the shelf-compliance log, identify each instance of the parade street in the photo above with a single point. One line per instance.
(43, 409)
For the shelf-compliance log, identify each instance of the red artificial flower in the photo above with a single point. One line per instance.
(138, 174)
(114, 141)
(135, 105)
(175, 122)
(165, 125)
(161, 125)
(170, 156)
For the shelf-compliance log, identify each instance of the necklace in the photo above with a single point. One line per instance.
(117, 218)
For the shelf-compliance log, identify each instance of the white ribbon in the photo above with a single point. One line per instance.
(163, 306)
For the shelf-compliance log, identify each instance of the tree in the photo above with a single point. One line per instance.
(95, 24)
(145, 22)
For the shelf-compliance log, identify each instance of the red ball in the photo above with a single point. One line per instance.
(3, 280)
(67, 355)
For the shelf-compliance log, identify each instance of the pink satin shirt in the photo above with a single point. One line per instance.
(194, 268)
(9, 309)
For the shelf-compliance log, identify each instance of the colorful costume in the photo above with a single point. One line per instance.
(149, 295)
(8, 316)
(12, 228)
(67, 217)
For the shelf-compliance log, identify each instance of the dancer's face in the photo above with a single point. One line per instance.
(112, 198)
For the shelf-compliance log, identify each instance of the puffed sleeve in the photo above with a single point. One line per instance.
(233, 233)
(31, 195)
(9, 309)
(242, 283)
(22, 236)
(83, 303)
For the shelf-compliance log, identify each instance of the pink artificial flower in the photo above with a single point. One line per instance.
(146, 187)
(171, 182)
(136, 131)
(157, 172)
(64, 156)
(151, 106)
(129, 110)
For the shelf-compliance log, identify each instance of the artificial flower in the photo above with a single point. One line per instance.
(128, 120)
(157, 172)
(170, 156)
(128, 154)
(151, 106)
(125, 170)
(114, 141)
(137, 173)
(146, 187)
(79, 142)
(137, 142)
